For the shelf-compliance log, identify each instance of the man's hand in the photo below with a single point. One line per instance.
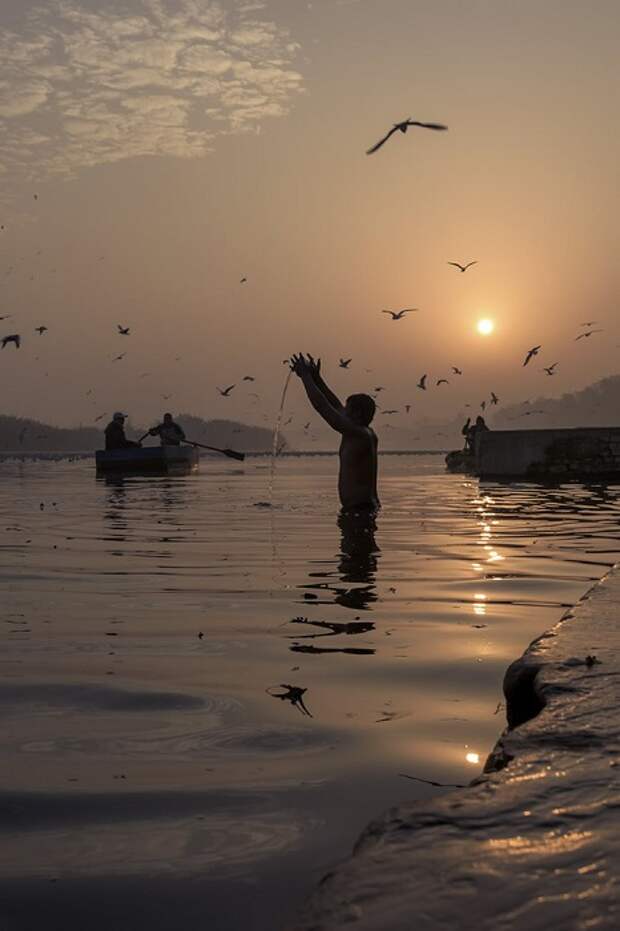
(314, 365)
(299, 365)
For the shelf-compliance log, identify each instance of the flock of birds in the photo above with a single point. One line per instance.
(588, 327)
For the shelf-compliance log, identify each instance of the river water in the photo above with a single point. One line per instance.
(162, 767)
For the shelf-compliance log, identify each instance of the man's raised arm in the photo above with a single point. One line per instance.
(315, 371)
(333, 415)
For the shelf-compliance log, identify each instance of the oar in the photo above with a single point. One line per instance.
(231, 453)
(143, 437)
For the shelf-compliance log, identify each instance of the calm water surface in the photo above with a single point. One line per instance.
(155, 773)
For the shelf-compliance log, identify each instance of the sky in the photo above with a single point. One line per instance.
(154, 152)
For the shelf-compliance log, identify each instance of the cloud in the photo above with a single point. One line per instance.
(82, 87)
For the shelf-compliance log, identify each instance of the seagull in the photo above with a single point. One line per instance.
(494, 398)
(35, 196)
(589, 323)
(248, 378)
(463, 268)
(403, 127)
(588, 333)
(483, 405)
(243, 280)
(13, 338)
(166, 397)
(399, 314)
(422, 383)
(442, 381)
(118, 358)
(390, 412)
(307, 425)
(225, 391)
(6, 316)
(344, 363)
(550, 369)
(407, 407)
(378, 389)
(41, 330)
(457, 371)
(531, 353)
(123, 330)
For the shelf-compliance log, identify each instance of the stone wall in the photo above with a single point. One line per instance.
(533, 454)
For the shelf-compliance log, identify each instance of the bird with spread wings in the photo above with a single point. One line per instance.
(403, 127)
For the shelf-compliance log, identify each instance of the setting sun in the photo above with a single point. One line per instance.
(485, 326)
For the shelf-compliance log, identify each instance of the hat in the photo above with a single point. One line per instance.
(118, 415)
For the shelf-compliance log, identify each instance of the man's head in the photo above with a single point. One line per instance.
(360, 408)
(480, 420)
(119, 417)
(167, 418)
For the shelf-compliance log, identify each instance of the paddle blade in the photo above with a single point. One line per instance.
(232, 454)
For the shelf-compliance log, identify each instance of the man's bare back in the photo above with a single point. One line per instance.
(357, 481)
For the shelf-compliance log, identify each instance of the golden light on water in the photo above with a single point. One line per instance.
(485, 326)
(472, 757)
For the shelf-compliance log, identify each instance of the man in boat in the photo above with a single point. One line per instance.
(169, 432)
(357, 480)
(115, 434)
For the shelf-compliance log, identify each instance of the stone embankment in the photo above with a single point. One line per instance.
(549, 454)
(534, 843)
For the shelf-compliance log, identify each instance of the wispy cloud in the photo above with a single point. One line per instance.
(80, 87)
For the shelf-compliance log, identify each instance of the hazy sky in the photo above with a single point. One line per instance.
(177, 145)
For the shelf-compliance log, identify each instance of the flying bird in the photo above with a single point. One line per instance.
(407, 407)
(166, 397)
(531, 353)
(589, 323)
(344, 363)
(483, 405)
(6, 316)
(123, 330)
(390, 412)
(378, 389)
(40, 330)
(118, 358)
(463, 268)
(13, 338)
(457, 371)
(248, 378)
(225, 391)
(494, 398)
(243, 280)
(403, 127)
(422, 383)
(442, 381)
(399, 314)
(307, 425)
(550, 369)
(588, 333)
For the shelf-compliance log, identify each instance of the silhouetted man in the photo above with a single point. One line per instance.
(115, 434)
(169, 432)
(357, 480)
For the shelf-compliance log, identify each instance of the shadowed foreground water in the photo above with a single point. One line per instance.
(158, 773)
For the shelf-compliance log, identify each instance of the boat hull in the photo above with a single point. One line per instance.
(460, 461)
(159, 460)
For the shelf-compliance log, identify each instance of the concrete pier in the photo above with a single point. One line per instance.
(534, 843)
(538, 454)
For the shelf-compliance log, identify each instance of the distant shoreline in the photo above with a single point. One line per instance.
(9, 455)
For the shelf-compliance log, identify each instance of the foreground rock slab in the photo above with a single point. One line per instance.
(534, 843)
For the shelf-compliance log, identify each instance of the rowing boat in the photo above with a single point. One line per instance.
(162, 460)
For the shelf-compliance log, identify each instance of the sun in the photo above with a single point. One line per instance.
(485, 326)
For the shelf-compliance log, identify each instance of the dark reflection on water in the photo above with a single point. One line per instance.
(149, 778)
